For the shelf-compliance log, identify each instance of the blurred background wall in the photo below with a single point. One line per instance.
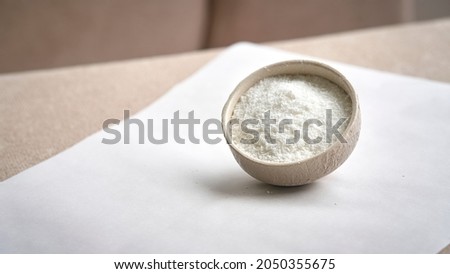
(38, 34)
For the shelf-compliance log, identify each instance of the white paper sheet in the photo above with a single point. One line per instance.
(391, 196)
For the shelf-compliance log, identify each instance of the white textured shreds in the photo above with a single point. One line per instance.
(296, 97)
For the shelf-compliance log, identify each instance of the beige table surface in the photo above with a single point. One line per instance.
(44, 112)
